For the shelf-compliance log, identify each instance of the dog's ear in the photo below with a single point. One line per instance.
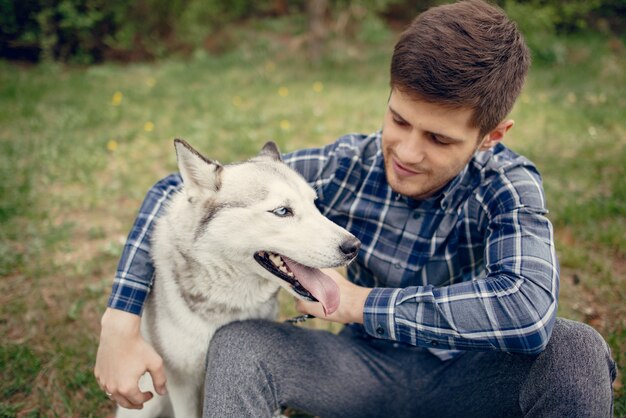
(200, 175)
(270, 149)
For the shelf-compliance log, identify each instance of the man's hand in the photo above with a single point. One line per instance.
(351, 302)
(123, 357)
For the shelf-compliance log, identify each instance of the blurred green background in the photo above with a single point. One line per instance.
(93, 92)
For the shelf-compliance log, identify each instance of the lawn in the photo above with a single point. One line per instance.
(79, 147)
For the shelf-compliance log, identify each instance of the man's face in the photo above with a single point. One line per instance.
(425, 145)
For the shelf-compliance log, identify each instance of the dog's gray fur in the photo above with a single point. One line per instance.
(206, 275)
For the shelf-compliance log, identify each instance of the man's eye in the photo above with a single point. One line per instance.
(400, 122)
(282, 212)
(438, 139)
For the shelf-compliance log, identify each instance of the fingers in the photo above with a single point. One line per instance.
(311, 308)
(126, 395)
(155, 368)
(130, 398)
(127, 392)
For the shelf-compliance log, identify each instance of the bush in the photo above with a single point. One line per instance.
(541, 20)
(86, 31)
(66, 30)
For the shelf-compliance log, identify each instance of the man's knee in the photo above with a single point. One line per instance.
(246, 343)
(576, 369)
(577, 341)
(239, 338)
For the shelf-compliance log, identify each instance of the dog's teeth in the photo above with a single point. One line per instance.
(275, 258)
(286, 270)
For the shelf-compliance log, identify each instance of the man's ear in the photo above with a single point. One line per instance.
(497, 135)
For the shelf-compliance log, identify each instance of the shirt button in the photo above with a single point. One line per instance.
(398, 266)
(380, 330)
(434, 343)
(416, 215)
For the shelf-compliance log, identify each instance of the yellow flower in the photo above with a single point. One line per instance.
(237, 101)
(283, 92)
(318, 86)
(116, 100)
(148, 126)
(285, 125)
(112, 145)
(592, 131)
(150, 82)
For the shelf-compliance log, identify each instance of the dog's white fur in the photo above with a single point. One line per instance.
(206, 275)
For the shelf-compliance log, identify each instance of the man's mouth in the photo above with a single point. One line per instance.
(309, 283)
(402, 170)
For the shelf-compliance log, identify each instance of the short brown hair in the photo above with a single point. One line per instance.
(463, 55)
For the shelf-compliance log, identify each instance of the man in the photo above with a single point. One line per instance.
(452, 301)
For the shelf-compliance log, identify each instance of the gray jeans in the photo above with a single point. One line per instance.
(256, 367)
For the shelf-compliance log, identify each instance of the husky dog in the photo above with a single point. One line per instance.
(226, 244)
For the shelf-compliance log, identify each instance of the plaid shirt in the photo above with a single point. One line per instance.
(471, 268)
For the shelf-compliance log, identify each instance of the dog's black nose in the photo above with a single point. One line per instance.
(350, 247)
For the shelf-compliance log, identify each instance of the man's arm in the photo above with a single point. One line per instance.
(505, 311)
(512, 308)
(135, 270)
(123, 355)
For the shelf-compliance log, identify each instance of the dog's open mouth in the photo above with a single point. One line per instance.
(310, 283)
(275, 264)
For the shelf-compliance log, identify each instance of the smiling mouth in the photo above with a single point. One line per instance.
(402, 170)
(275, 264)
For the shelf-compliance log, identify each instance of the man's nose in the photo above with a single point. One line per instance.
(412, 149)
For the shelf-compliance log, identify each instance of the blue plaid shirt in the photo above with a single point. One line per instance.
(471, 268)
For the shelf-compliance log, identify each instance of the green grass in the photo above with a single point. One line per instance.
(74, 167)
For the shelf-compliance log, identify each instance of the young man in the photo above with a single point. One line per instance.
(452, 301)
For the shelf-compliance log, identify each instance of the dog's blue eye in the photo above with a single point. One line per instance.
(282, 212)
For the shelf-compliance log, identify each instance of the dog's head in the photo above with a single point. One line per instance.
(260, 216)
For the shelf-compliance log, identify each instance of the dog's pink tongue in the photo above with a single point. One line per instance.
(320, 285)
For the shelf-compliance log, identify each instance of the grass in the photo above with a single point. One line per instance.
(80, 146)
